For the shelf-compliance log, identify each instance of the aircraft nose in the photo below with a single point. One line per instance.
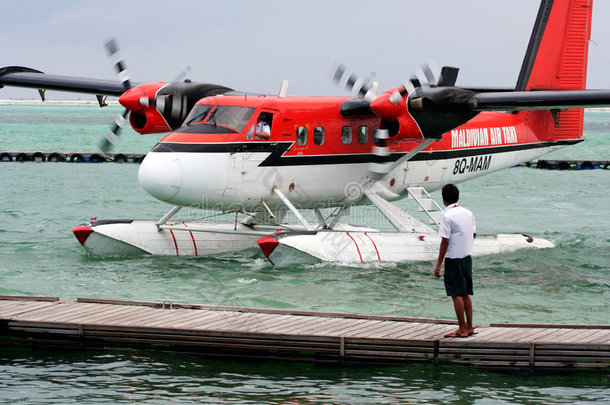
(161, 175)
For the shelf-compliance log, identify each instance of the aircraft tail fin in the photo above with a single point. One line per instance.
(556, 58)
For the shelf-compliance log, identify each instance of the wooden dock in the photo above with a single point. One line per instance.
(245, 333)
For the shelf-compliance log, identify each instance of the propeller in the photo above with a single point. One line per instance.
(112, 48)
(366, 88)
(427, 105)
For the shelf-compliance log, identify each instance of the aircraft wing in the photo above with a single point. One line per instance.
(19, 76)
(537, 100)
(438, 109)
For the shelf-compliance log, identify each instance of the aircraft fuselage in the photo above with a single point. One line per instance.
(316, 156)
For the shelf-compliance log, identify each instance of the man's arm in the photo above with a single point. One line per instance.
(263, 132)
(441, 256)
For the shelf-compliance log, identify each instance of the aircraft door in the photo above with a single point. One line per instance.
(426, 173)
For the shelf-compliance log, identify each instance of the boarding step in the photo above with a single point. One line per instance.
(426, 204)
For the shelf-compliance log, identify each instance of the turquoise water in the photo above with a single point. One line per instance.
(41, 202)
(53, 127)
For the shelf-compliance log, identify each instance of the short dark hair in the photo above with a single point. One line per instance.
(451, 194)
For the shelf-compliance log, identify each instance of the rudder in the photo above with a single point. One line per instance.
(556, 58)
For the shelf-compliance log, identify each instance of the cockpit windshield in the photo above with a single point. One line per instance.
(204, 118)
(198, 114)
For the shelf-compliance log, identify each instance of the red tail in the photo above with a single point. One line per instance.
(556, 58)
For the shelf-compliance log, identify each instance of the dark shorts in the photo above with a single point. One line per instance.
(458, 277)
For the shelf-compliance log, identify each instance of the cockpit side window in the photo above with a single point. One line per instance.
(261, 129)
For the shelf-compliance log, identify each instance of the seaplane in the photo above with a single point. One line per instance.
(261, 156)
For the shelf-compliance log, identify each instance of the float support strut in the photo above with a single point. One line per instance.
(167, 216)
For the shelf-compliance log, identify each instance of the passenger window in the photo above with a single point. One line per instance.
(301, 135)
(376, 140)
(363, 134)
(318, 135)
(346, 135)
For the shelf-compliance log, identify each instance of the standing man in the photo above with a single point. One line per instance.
(457, 231)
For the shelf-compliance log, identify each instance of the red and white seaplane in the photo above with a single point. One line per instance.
(327, 154)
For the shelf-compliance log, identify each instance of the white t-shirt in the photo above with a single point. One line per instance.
(457, 225)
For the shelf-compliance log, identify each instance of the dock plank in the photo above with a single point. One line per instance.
(110, 315)
(359, 328)
(406, 330)
(290, 326)
(125, 315)
(49, 311)
(563, 335)
(206, 320)
(419, 329)
(390, 330)
(153, 318)
(339, 327)
(434, 331)
(199, 318)
(58, 311)
(494, 334)
(105, 312)
(588, 336)
(24, 308)
(602, 338)
(534, 336)
(76, 314)
(9, 307)
(226, 320)
(318, 325)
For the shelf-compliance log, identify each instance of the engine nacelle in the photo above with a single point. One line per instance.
(144, 116)
(162, 107)
(425, 113)
(391, 107)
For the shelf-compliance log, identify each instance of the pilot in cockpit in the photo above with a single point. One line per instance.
(263, 131)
